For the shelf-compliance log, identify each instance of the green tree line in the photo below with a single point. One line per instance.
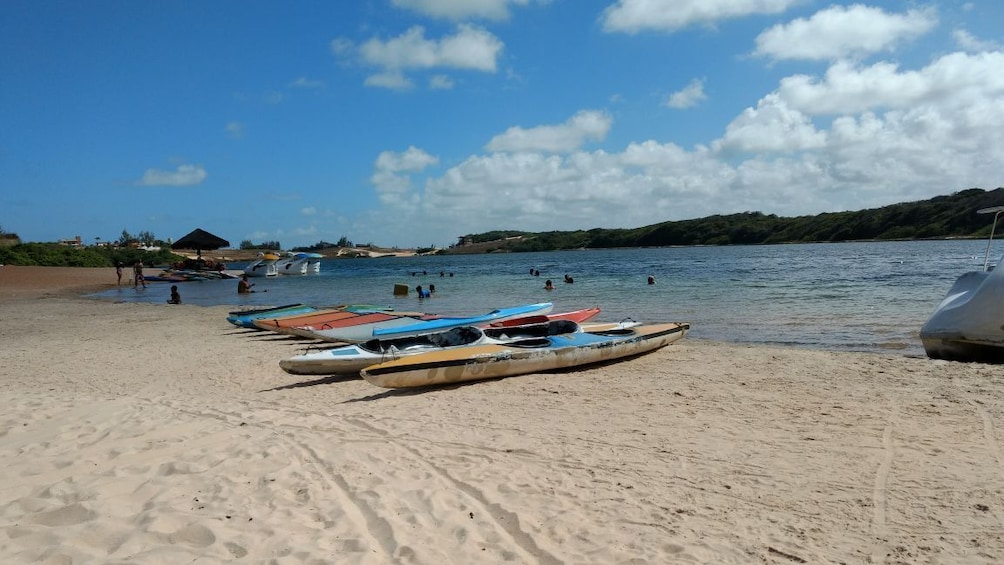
(58, 255)
(938, 218)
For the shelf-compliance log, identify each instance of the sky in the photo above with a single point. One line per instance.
(410, 123)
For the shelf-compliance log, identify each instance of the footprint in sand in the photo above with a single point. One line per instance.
(194, 535)
(65, 516)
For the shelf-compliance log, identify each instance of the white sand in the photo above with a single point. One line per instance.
(161, 434)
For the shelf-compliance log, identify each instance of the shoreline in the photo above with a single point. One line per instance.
(27, 282)
(150, 432)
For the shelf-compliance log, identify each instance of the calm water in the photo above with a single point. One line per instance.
(844, 296)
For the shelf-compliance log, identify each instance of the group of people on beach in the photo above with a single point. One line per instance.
(137, 274)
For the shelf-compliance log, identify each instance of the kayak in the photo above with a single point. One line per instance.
(284, 323)
(574, 316)
(356, 329)
(246, 318)
(534, 355)
(350, 359)
(446, 322)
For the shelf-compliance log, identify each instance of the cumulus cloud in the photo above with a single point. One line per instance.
(390, 177)
(771, 127)
(584, 126)
(461, 9)
(183, 175)
(857, 137)
(690, 96)
(634, 16)
(953, 80)
(471, 48)
(843, 31)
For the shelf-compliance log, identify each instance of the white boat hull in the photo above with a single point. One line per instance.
(264, 266)
(353, 358)
(968, 325)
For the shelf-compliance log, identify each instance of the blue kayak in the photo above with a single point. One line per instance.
(246, 318)
(445, 323)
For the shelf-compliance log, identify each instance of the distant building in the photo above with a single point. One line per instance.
(75, 242)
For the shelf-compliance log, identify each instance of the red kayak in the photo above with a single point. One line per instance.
(577, 316)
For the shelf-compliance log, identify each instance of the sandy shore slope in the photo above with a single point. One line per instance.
(148, 433)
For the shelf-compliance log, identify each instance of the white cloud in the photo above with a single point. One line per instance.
(633, 16)
(461, 9)
(771, 127)
(391, 185)
(440, 82)
(471, 48)
(583, 126)
(183, 175)
(971, 43)
(954, 80)
(843, 31)
(690, 96)
(893, 135)
(308, 211)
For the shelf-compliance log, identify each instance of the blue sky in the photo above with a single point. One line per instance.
(411, 122)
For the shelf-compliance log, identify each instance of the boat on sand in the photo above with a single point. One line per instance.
(534, 355)
(350, 359)
(246, 318)
(447, 322)
(968, 324)
(285, 324)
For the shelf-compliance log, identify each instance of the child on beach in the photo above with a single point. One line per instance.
(175, 295)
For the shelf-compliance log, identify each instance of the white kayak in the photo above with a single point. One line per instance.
(350, 359)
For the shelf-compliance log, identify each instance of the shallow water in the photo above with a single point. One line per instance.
(870, 296)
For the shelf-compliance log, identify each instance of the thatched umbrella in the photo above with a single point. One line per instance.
(200, 239)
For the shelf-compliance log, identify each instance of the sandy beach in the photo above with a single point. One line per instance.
(155, 433)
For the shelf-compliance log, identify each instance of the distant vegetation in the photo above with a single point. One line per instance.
(101, 254)
(57, 255)
(952, 216)
(938, 218)
(266, 245)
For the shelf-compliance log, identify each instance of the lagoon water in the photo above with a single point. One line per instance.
(868, 296)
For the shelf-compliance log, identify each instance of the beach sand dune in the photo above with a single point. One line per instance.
(149, 433)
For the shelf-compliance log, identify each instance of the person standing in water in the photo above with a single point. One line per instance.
(137, 271)
(243, 286)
